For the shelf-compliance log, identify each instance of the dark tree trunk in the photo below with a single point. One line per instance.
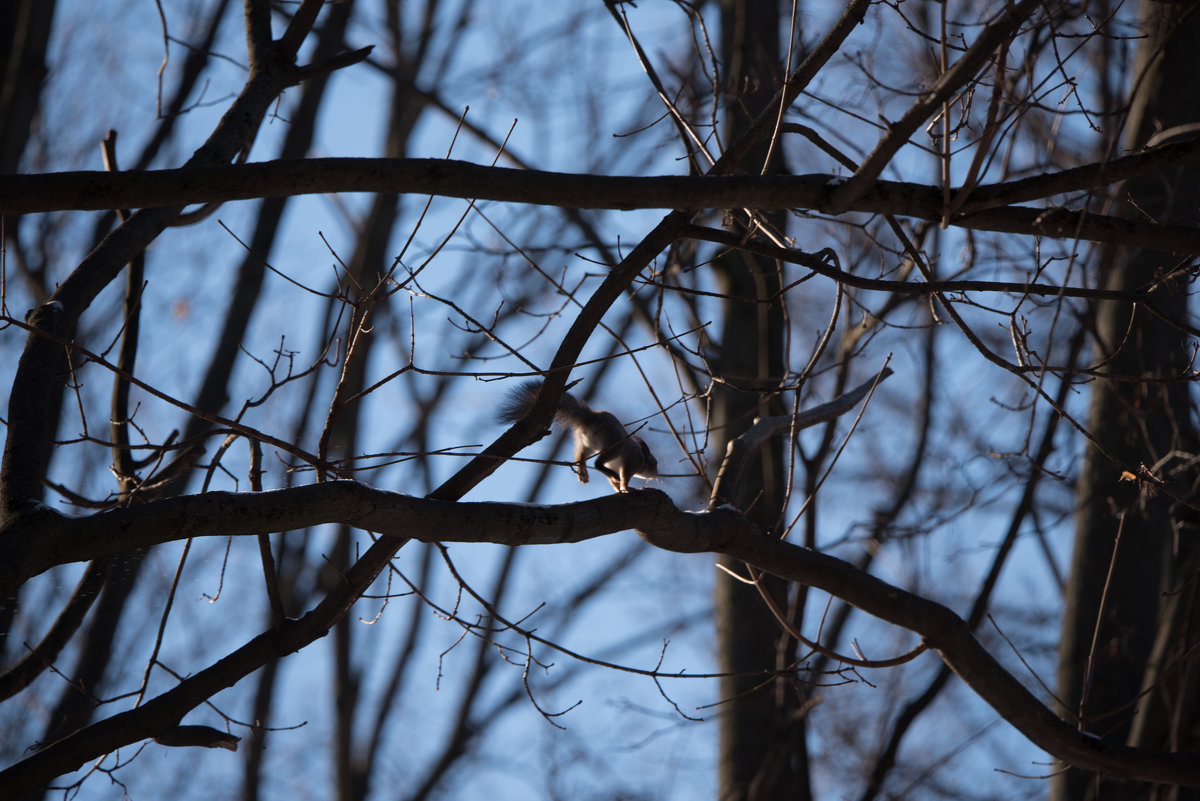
(762, 749)
(1145, 608)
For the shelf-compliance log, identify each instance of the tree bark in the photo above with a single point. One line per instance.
(1132, 573)
(762, 747)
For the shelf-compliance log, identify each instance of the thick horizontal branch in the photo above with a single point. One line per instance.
(721, 530)
(22, 194)
(1084, 177)
(42, 539)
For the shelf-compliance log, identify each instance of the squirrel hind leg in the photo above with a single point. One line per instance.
(619, 481)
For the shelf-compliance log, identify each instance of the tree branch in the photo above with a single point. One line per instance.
(948, 83)
(84, 190)
(722, 530)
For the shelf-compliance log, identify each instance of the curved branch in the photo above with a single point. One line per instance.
(722, 530)
(42, 655)
(725, 531)
(829, 653)
(818, 263)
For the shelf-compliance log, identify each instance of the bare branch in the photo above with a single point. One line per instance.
(723, 530)
(23, 194)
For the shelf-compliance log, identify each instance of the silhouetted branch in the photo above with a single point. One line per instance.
(987, 210)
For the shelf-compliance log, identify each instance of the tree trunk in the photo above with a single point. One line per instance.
(762, 749)
(1142, 535)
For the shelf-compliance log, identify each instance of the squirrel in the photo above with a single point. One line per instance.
(619, 455)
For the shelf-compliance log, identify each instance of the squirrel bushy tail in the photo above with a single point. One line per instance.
(518, 402)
